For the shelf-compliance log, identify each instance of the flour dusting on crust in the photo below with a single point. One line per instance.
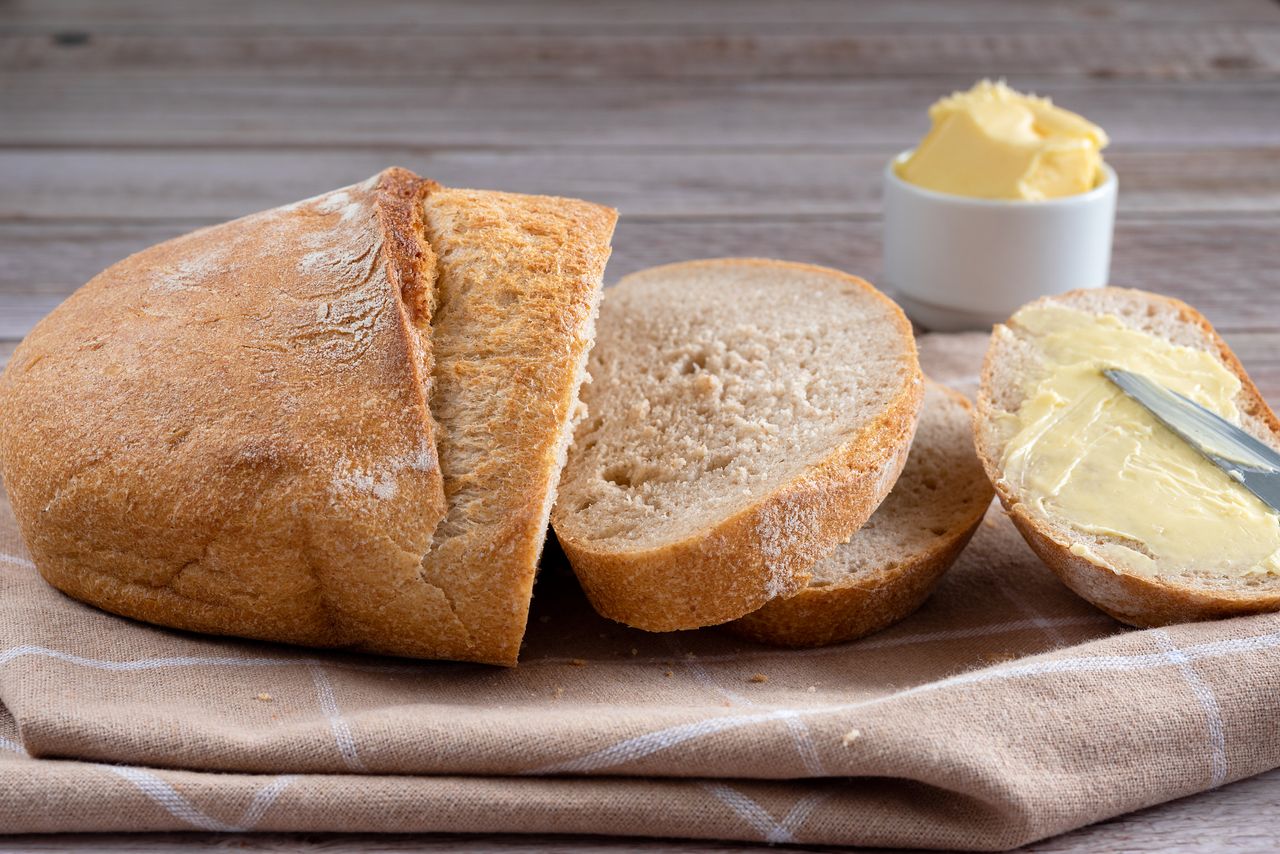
(189, 273)
(783, 529)
(379, 481)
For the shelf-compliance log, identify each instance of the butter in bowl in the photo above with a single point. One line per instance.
(1006, 199)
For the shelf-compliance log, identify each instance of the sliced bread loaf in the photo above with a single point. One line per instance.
(744, 417)
(1107, 558)
(334, 423)
(893, 562)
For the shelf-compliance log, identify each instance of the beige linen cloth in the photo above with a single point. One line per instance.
(1004, 711)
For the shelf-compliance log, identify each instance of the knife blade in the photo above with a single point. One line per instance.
(1246, 460)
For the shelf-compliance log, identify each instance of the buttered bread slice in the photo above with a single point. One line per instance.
(744, 417)
(1128, 515)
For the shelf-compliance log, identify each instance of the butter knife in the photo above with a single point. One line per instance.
(1254, 465)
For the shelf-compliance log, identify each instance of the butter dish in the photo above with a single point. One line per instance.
(1007, 198)
(955, 262)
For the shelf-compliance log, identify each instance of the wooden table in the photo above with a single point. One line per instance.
(757, 128)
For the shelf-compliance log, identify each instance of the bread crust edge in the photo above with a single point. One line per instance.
(838, 613)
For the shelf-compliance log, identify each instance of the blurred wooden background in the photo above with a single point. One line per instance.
(757, 127)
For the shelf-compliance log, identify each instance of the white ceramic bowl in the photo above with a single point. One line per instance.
(956, 263)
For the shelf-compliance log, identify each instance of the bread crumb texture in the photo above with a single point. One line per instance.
(744, 417)
(712, 385)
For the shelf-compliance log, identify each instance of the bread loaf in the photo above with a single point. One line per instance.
(272, 427)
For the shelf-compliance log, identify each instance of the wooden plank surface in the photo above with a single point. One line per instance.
(1163, 52)
(757, 127)
(209, 184)
(184, 109)
(520, 15)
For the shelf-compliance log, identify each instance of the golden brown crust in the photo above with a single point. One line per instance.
(818, 616)
(1135, 600)
(507, 386)
(1131, 599)
(766, 550)
(853, 608)
(188, 435)
(229, 432)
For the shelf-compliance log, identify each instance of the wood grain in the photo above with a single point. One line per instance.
(119, 109)
(1214, 51)
(215, 184)
(519, 15)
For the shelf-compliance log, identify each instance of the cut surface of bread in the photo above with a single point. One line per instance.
(231, 432)
(892, 563)
(744, 417)
(1134, 581)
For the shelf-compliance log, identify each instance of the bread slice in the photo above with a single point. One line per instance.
(233, 432)
(745, 416)
(893, 562)
(1174, 593)
(518, 292)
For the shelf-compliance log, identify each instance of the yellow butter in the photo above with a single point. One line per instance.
(1081, 452)
(994, 143)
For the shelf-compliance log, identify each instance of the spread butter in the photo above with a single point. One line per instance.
(1083, 453)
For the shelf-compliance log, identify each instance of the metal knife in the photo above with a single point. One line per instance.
(1254, 465)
